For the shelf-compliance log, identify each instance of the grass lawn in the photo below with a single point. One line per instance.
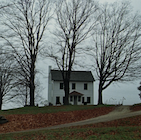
(102, 132)
(110, 133)
(48, 109)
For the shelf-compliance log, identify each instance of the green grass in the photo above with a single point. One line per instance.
(110, 133)
(89, 133)
(49, 109)
(139, 104)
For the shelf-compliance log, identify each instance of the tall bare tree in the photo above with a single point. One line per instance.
(21, 92)
(73, 25)
(25, 23)
(6, 65)
(20, 96)
(116, 44)
(6, 75)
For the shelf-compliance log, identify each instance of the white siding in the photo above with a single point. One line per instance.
(79, 87)
(58, 92)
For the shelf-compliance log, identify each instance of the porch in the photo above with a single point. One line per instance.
(76, 98)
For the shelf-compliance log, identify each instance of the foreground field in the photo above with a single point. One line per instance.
(41, 117)
(110, 133)
(125, 129)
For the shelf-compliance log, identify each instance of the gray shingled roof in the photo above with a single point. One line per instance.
(80, 76)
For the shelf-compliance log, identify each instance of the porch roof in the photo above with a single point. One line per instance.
(75, 93)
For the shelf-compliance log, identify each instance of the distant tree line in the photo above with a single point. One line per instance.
(109, 35)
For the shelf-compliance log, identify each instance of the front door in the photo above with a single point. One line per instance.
(75, 100)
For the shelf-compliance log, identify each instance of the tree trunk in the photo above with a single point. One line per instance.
(32, 84)
(100, 102)
(26, 97)
(0, 100)
(32, 90)
(66, 89)
(0, 93)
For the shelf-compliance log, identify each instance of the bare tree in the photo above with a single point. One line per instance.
(21, 90)
(116, 44)
(73, 25)
(20, 95)
(6, 75)
(25, 24)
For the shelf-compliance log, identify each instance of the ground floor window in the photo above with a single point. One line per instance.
(88, 100)
(79, 98)
(71, 98)
(57, 100)
(82, 99)
(63, 100)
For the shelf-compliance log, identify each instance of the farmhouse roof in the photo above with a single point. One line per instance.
(77, 76)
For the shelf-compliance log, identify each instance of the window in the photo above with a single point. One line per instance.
(83, 99)
(57, 100)
(71, 98)
(63, 100)
(88, 100)
(61, 85)
(79, 98)
(85, 86)
(73, 85)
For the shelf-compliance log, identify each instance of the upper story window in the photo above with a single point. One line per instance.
(85, 86)
(61, 85)
(73, 85)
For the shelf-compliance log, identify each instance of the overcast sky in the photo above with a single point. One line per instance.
(113, 94)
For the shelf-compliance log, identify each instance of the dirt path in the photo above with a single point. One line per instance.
(118, 113)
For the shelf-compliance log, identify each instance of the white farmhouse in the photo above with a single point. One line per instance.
(81, 88)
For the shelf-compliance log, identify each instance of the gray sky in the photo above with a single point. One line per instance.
(113, 94)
